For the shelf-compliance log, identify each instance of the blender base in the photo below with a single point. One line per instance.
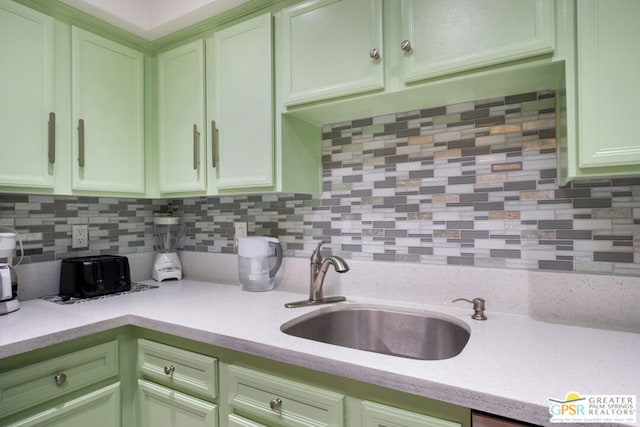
(166, 265)
(9, 306)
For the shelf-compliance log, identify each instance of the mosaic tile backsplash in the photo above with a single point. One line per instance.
(465, 184)
(116, 226)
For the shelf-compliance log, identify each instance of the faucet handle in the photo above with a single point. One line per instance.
(478, 307)
(316, 256)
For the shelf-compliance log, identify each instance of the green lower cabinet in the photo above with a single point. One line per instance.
(164, 407)
(377, 415)
(192, 373)
(139, 378)
(253, 398)
(100, 408)
(36, 383)
(182, 380)
(278, 401)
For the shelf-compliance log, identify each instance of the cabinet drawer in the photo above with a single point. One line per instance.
(178, 368)
(252, 392)
(39, 382)
(377, 415)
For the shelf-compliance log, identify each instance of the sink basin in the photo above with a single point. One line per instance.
(396, 332)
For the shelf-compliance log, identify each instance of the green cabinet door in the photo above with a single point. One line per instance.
(240, 104)
(181, 148)
(326, 48)
(163, 407)
(108, 114)
(608, 85)
(26, 100)
(100, 408)
(443, 37)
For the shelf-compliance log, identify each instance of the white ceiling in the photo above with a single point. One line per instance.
(153, 19)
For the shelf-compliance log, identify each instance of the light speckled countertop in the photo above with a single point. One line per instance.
(511, 366)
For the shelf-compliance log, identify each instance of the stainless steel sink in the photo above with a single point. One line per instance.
(383, 330)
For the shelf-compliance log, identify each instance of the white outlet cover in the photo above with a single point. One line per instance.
(79, 236)
(240, 229)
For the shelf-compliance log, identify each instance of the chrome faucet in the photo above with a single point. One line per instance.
(318, 271)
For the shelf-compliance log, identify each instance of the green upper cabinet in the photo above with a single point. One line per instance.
(181, 133)
(108, 115)
(328, 49)
(27, 98)
(240, 105)
(333, 48)
(442, 37)
(606, 77)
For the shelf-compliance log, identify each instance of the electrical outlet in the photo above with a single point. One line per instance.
(240, 229)
(79, 236)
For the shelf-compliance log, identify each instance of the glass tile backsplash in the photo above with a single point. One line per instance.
(116, 226)
(465, 184)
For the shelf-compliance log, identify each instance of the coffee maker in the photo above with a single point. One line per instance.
(8, 279)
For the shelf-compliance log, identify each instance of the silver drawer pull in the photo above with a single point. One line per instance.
(275, 404)
(60, 379)
(169, 370)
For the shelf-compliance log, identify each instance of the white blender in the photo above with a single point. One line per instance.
(8, 281)
(169, 232)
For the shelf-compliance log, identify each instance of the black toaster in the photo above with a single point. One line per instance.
(91, 276)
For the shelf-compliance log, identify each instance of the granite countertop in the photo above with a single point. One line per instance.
(511, 366)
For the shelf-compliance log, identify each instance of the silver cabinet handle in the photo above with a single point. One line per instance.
(60, 379)
(196, 138)
(51, 140)
(81, 143)
(374, 53)
(169, 370)
(275, 404)
(405, 45)
(214, 141)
